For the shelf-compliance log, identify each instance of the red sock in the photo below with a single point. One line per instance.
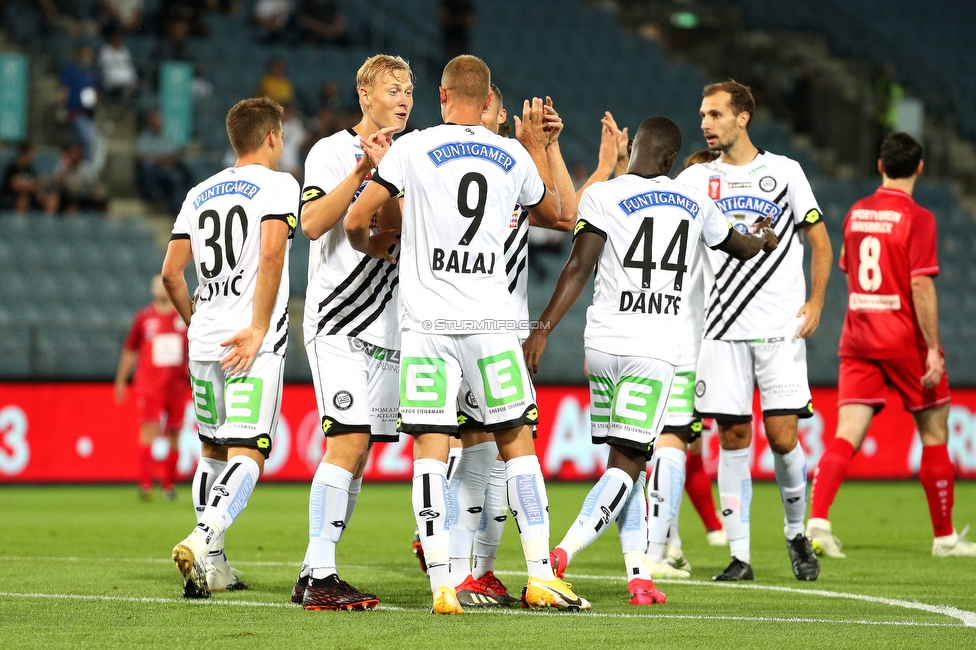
(937, 477)
(169, 469)
(828, 476)
(145, 468)
(699, 488)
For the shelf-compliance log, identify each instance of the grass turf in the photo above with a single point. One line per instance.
(90, 566)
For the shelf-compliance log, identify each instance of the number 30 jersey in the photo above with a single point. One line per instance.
(644, 275)
(222, 218)
(888, 240)
(459, 183)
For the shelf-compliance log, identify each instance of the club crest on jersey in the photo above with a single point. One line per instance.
(714, 188)
(767, 183)
(656, 198)
(249, 190)
(761, 208)
(459, 150)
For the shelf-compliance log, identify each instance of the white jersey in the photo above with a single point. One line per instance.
(222, 218)
(651, 227)
(693, 310)
(459, 183)
(516, 267)
(742, 300)
(349, 293)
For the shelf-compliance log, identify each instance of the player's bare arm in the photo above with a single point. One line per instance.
(356, 224)
(607, 158)
(179, 254)
(127, 361)
(821, 257)
(579, 268)
(377, 144)
(530, 131)
(927, 311)
(319, 216)
(557, 166)
(744, 247)
(623, 145)
(246, 343)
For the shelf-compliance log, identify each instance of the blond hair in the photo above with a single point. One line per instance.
(250, 121)
(468, 78)
(372, 71)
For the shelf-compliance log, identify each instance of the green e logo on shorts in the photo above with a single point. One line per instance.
(243, 398)
(423, 382)
(204, 402)
(682, 398)
(635, 401)
(502, 379)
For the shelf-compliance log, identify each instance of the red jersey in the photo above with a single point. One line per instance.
(888, 239)
(160, 341)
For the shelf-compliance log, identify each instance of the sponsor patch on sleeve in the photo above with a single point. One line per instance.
(585, 226)
(311, 194)
(812, 217)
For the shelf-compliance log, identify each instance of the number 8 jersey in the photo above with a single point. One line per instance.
(222, 219)
(643, 280)
(459, 184)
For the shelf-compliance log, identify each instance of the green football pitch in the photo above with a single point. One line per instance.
(90, 566)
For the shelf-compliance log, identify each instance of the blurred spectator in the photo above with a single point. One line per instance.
(161, 174)
(293, 142)
(800, 100)
(174, 46)
(887, 93)
(456, 18)
(76, 182)
(331, 97)
(123, 15)
(79, 96)
(119, 77)
(273, 18)
(23, 188)
(580, 174)
(275, 84)
(543, 241)
(322, 21)
(71, 16)
(186, 11)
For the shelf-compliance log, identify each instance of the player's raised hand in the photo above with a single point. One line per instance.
(376, 145)
(553, 123)
(382, 243)
(530, 130)
(607, 159)
(764, 229)
(934, 367)
(532, 350)
(244, 345)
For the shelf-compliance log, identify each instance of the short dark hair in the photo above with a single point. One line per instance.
(662, 131)
(250, 121)
(468, 78)
(900, 155)
(740, 99)
(497, 93)
(703, 156)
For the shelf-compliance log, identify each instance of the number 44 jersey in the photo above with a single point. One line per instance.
(222, 218)
(459, 184)
(643, 281)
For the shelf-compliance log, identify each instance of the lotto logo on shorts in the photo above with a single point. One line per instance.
(243, 396)
(635, 401)
(502, 378)
(423, 382)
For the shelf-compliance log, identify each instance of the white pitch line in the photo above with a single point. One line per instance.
(967, 618)
(487, 611)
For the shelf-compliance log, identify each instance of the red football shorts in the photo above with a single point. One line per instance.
(152, 405)
(866, 381)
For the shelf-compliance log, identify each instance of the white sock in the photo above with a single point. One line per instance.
(228, 497)
(529, 503)
(203, 479)
(453, 458)
(600, 508)
(355, 487)
(632, 527)
(791, 476)
(328, 501)
(674, 538)
(735, 496)
(465, 503)
(492, 524)
(430, 510)
(664, 486)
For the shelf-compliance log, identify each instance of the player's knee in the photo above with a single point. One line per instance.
(735, 435)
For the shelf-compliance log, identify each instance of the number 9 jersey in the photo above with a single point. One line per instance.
(222, 219)
(643, 279)
(459, 184)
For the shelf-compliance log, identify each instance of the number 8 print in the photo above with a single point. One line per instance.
(869, 269)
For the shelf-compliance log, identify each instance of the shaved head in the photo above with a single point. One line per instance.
(656, 146)
(467, 79)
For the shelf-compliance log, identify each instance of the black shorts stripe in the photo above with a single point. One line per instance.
(342, 286)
